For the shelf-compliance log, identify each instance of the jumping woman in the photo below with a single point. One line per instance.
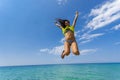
(68, 31)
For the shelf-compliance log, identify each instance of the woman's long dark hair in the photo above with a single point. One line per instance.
(62, 22)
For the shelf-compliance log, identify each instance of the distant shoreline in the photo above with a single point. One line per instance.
(60, 64)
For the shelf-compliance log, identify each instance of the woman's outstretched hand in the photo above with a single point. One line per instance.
(77, 13)
(57, 24)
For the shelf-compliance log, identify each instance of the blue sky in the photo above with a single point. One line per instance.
(28, 35)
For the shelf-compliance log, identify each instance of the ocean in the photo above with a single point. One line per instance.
(96, 71)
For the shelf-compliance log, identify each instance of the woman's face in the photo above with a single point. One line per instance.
(67, 23)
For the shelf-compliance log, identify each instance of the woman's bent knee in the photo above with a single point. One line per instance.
(76, 52)
(67, 53)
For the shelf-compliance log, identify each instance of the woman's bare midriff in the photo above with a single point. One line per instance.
(69, 35)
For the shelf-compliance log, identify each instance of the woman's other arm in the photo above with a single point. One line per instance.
(58, 25)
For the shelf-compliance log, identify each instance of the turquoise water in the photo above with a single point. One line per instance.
(62, 72)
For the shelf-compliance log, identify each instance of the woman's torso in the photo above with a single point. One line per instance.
(68, 32)
(69, 35)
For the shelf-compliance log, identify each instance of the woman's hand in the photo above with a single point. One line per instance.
(77, 13)
(58, 25)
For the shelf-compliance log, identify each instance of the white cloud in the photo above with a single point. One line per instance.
(90, 36)
(85, 41)
(77, 33)
(44, 50)
(86, 37)
(116, 27)
(62, 40)
(101, 16)
(117, 43)
(87, 51)
(104, 14)
(56, 50)
(61, 2)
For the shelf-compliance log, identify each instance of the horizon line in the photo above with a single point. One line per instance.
(58, 64)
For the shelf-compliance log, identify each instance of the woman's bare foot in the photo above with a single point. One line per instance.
(62, 55)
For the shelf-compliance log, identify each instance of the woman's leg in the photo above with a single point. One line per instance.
(66, 49)
(75, 49)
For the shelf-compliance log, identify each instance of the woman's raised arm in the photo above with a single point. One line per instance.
(75, 19)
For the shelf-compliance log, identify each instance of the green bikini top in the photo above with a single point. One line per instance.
(67, 28)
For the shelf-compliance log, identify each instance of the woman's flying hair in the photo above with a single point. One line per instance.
(62, 22)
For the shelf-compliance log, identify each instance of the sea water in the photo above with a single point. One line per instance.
(106, 71)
